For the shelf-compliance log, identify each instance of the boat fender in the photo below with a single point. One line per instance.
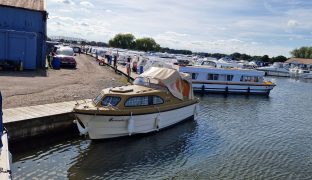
(226, 90)
(157, 120)
(130, 125)
(203, 89)
(83, 131)
(195, 112)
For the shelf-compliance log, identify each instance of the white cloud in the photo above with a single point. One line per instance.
(68, 2)
(172, 33)
(84, 24)
(86, 4)
(292, 23)
(252, 27)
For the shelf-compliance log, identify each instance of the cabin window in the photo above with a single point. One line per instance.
(222, 77)
(111, 100)
(157, 100)
(137, 101)
(209, 63)
(229, 77)
(194, 75)
(249, 79)
(213, 76)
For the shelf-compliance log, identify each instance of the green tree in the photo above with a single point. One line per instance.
(265, 58)
(245, 57)
(146, 44)
(101, 44)
(236, 56)
(93, 43)
(124, 41)
(83, 43)
(278, 59)
(303, 52)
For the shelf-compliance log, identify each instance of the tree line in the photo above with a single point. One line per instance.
(303, 52)
(246, 57)
(128, 41)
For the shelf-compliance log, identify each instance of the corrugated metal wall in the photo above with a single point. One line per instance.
(23, 36)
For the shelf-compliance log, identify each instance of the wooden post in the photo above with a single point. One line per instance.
(226, 90)
(203, 89)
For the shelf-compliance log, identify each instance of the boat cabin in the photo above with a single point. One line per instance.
(224, 75)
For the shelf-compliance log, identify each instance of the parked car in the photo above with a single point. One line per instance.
(77, 49)
(66, 55)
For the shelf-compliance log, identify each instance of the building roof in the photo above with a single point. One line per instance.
(37, 5)
(299, 61)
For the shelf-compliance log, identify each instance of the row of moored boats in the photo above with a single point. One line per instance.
(163, 95)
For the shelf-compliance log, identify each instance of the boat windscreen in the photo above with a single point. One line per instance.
(97, 99)
(143, 81)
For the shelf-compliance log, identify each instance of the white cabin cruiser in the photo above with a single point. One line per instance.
(230, 80)
(297, 71)
(277, 69)
(159, 98)
(219, 63)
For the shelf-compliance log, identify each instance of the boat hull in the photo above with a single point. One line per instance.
(275, 73)
(104, 127)
(5, 158)
(232, 88)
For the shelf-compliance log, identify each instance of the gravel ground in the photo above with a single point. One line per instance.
(42, 87)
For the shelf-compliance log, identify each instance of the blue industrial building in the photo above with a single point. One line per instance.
(23, 32)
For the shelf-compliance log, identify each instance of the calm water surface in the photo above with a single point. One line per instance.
(234, 137)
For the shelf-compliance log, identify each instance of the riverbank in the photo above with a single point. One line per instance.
(21, 89)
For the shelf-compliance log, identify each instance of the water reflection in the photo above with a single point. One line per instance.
(116, 158)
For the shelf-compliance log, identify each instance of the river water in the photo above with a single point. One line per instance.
(234, 137)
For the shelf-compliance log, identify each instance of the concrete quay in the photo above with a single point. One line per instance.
(30, 121)
(26, 122)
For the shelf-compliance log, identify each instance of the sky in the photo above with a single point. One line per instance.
(255, 27)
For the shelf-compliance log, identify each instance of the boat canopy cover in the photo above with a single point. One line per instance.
(179, 84)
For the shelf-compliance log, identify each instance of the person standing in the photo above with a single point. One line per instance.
(128, 67)
(115, 62)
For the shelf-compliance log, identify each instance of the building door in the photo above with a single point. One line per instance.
(21, 47)
(17, 50)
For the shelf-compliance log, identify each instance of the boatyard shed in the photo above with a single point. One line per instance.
(23, 31)
(300, 62)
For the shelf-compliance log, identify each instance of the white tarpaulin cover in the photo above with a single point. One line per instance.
(179, 84)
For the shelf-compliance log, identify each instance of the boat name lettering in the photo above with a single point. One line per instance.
(112, 119)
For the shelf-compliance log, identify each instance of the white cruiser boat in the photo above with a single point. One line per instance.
(159, 98)
(297, 71)
(277, 69)
(219, 80)
(221, 63)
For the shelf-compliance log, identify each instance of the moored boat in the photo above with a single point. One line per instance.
(277, 69)
(298, 72)
(158, 98)
(228, 80)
